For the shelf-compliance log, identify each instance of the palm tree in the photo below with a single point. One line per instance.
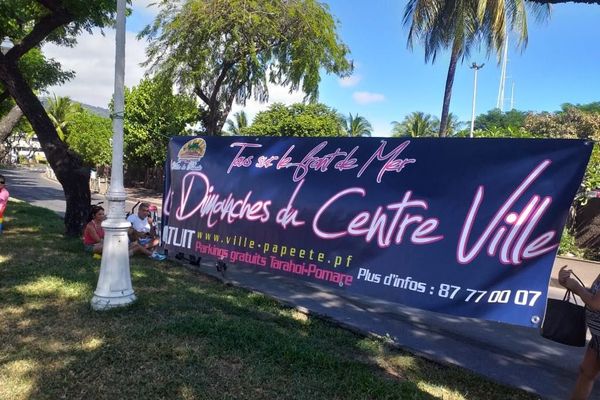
(459, 25)
(454, 124)
(416, 124)
(61, 111)
(235, 126)
(357, 126)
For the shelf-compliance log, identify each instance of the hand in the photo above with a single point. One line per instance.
(564, 278)
(564, 275)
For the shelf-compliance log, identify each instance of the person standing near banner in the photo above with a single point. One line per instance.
(590, 366)
(3, 200)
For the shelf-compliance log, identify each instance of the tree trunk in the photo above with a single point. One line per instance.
(448, 91)
(210, 122)
(67, 165)
(9, 121)
(213, 118)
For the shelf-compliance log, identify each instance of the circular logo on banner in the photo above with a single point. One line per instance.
(192, 151)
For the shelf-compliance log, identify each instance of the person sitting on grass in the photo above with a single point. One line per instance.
(93, 237)
(3, 199)
(142, 229)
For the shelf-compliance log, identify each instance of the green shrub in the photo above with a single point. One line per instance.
(568, 246)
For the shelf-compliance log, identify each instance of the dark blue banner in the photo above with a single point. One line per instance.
(467, 227)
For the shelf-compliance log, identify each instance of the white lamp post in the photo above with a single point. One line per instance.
(6, 45)
(114, 283)
(476, 68)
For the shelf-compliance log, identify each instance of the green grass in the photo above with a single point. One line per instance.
(186, 337)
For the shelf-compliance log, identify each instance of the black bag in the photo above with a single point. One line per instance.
(564, 321)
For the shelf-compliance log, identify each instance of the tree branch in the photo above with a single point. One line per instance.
(226, 67)
(201, 94)
(51, 5)
(41, 30)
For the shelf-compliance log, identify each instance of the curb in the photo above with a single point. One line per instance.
(583, 260)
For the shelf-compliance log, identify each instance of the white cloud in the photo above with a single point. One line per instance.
(367, 97)
(146, 7)
(277, 94)
(350, 81)
(93, 60)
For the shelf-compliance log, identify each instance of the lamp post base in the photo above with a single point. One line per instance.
(114, 283)
(101, 303)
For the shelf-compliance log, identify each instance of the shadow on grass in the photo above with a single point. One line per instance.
(187, 336)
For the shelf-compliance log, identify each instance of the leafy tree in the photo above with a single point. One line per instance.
(235, 126)
(509, 132)
(460, 25)
(416, 124)
(357, 126)
(89, 136)
(61, 111)
(498, 119)
(572, 123)
(152, 115)
(39, 71)
(31, 23)
(593, 107)
(229, 50)
(299, 119)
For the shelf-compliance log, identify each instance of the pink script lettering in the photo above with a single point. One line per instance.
(514, 246)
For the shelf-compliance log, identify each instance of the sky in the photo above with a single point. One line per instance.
(561, 63)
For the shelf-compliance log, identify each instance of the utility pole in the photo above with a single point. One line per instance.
(476, 69)
(114, 287)
(512, 96)
(500, 101)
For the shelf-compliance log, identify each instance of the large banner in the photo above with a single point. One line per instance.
(459, 226)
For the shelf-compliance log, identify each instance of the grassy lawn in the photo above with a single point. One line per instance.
(186, 337)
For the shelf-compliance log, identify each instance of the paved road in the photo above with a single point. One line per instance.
(32, 186)
(508, 354)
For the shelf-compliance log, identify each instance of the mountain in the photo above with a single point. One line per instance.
(102, 112)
